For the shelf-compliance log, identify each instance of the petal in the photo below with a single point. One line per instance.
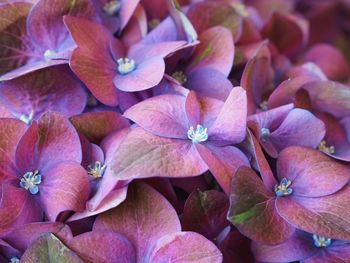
(253, 210)
(126, 11)
(15, 49)
(17, 207)
(300, 128)
(185, 247)
(45, 24)
(193, 108)
(161, 115)
(228, 126)
(87, 59)
(103, 246)
(146, 75)
(50, 89)
(158, 156)
(48, 248)
(215, 51)
(144, 209)
(297, 247)
(53, 135)
(11, 131)
(23, 236)
(325, 216)
(65, 187)
(204, 15)
(209, 83)
(223, 162)
(97, 125)
(205, 213)
(312, 173)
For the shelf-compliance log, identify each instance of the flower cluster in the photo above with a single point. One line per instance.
(174, 131)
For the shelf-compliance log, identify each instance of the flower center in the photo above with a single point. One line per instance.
(27, 119)
(180, 77)
(283, 189)
(30, 181)
(153, 23)
(199, 135)
(15, 260)
(112, 7)
(49, 54)
(97, 170)
(126, 65)
(326, 149)
(264, 105)
(321, 241)
(264, 134)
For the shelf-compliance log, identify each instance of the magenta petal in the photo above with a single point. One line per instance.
(210, 83)
(103, 246)
(22, 236)
(312, 173)
(97, 125)
(215, 51)
(53, 135)
(144, 209)
(64, 187)
(50, 89)
(297, 247)
(193, 108)
(230, 124)
(126, 11)
(146, 75)
(301, 128)
(325, 216)
(158, 156)
(11, 131)
(161, 115)
(253, 210)
(17, 207)
(112, 199)
(48, 248)
(45, 24)
(205, 213)
(221, 164)
(184, 247)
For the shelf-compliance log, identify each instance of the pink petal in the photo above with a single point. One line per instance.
(228, 126)
(161, 115)
(185, 247)
(143, 209)
(193, 108)
(103, 246)
(64, 187)
(158, 156)
(126, 11)
(312, 173)
(215, 51)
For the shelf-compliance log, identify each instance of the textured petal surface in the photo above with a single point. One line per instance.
(185, 247)
(145, 211)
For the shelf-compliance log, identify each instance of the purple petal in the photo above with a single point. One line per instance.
(253, 210)
(193, 108)
(50, 89)
(126, 11)
(45, 24)
(144, 209)
(158, 156)
(312, 173)
(103, 246)
(227, 126)
(146, 75)
(185, 247)
(162, 115)
(64, 187)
